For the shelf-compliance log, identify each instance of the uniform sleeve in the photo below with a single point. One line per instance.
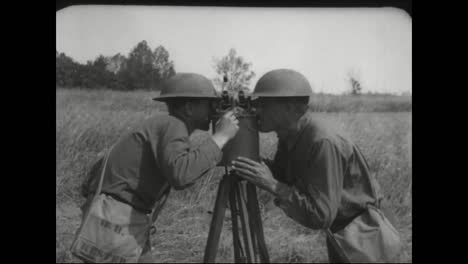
(316, 203)
(181, 162)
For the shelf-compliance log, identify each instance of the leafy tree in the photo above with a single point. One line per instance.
(164, 68)
(353, 79)
(234, 73)
(143, 69)
(116, 63)
(66, 70)
(139, 72)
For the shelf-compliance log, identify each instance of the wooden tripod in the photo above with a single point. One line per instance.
(244, 205)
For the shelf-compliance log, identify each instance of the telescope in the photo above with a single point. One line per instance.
(246, 141)
(248, 238)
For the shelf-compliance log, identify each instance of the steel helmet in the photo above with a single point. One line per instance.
(282, 83)
(187, 85)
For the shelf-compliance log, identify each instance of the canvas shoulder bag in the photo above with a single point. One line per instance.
(370, 237)
(111, 231)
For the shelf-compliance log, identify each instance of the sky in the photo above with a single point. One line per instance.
(326, 45)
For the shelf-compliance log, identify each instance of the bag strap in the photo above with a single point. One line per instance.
(378, 199)
(103, 170)
(98, 191)
(162, 196)
(336, 246)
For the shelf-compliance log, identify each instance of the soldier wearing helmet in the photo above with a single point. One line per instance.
(144, 165)
(318, 176)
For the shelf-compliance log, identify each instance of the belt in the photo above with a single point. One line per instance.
(137, 208)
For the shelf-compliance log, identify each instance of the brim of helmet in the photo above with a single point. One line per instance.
(164, 98)
(258, 96)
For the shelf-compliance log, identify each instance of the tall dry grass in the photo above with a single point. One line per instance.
(88, 121)
(360, 103)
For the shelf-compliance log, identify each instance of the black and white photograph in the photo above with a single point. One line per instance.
(223, 134)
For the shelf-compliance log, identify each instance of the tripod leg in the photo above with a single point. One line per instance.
(241, 199)
(257, 222)
(238, 255)
(252, 222)
(217, 219)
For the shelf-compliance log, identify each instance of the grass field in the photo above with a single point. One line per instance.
(88, 121)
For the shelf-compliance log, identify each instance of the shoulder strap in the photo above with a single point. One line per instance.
(336, 246)
(162, 196)
(372, 181)
(103, 170)
(86, 213)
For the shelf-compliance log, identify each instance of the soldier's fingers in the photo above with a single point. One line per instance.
(243, 165)
(248, 161)
(243, 170)
(246, 176)
(264, 165)
(228, 114)
(233, 118)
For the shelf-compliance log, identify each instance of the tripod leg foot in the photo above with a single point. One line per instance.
(217, 220)
(244, 214)
(257, 223)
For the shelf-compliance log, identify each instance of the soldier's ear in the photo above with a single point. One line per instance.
(188, 108)
(289, 106)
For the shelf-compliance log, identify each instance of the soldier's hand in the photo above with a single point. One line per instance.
(226, 128)
(256, 173)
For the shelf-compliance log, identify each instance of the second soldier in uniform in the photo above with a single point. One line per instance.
(319, 177)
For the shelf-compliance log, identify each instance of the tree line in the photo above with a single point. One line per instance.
(143, 68)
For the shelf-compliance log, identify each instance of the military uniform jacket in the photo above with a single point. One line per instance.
(326, 178)
(156, 155)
